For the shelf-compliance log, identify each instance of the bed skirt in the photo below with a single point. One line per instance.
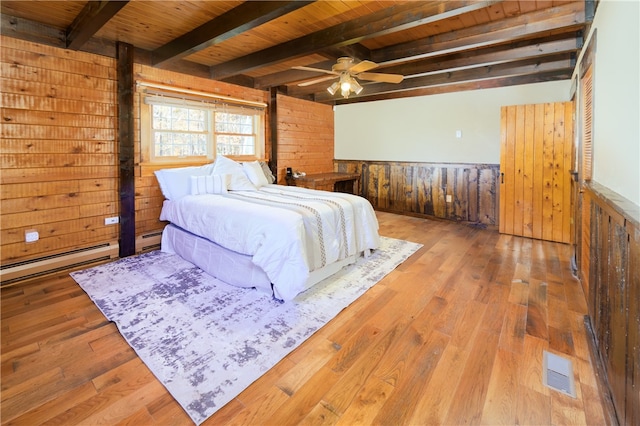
(226, 265)
(233, 268)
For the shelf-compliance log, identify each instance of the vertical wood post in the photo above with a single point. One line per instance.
(273, 127)
(126, 149)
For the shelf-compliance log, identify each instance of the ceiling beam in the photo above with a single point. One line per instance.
(89, 21)
(291, 76)
(563, 61)
(245, 17)
(490, 56)
(568, 42)
(565, 18)
(387, 21)
(556, 75)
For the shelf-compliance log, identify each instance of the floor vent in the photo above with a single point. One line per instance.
(557, 374)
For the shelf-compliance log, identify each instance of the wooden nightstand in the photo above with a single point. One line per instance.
(338, 182)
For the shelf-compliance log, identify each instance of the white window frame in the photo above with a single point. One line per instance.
(210, 107)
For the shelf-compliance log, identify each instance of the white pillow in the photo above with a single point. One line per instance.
(267, 172)
(175, 183)
(238, 180)
(254, 172)
(211, 184)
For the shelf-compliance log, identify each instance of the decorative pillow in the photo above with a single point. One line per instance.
(267, 172)
(255, 174)
(211, 184)
(238, 180)
(175, 183)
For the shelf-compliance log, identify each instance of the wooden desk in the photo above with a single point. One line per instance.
(338, 182)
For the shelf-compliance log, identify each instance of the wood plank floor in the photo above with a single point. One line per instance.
(455, 335)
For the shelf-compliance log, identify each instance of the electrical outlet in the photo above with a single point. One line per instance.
(448, 198)
(31, 235)
(111, 220)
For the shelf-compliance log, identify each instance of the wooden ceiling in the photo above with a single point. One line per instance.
(439, 46)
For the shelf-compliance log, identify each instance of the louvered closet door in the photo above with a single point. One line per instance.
(535, 162)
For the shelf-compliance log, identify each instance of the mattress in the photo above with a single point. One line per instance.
(288, 232)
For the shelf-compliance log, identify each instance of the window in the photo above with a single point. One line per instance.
(184, 130)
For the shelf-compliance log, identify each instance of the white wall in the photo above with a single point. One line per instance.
(616, 114)
(424, 128)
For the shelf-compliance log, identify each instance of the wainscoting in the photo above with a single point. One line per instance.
(460, 192)
(611, 277)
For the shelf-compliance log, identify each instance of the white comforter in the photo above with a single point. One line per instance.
(289, 231)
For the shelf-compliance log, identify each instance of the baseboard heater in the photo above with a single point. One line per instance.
(12, 273)
(150, 241)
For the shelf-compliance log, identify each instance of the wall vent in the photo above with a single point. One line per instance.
(19, 271)
(557, 374)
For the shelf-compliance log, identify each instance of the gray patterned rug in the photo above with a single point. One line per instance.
(207, 341)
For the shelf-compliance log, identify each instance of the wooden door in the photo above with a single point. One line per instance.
(535, 162)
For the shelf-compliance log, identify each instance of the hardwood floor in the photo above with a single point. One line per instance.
(455, 335)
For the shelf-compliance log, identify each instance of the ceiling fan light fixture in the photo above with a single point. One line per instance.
(355, 86)
(345, 85)
(333, 88)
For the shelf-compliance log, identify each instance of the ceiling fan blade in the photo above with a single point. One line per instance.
(362, 67)
(384, 78)
(315, 70)
(316, 80)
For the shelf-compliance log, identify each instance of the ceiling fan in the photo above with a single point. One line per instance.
(348, 72)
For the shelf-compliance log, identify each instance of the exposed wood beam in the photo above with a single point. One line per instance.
(239, 19)
(387, 21)
(555, 75)
(92, 17)
(566, 18)
(25, 29)
(563, 61)
(492, 55)
(356, 51)
(291, 76)
(482, 57)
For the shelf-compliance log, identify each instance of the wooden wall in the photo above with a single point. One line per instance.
(422, 188)
(58, 153)
(614, 295)
(305, 136)
(59, 164)
(149, 198)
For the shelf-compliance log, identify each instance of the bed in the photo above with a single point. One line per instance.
(231, 221)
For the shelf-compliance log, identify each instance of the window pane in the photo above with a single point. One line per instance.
(179, 144)
(180, 131)
(235, 145)
(234, 123)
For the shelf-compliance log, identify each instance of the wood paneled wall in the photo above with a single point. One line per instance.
(614, 295)
(59, 158)
(149, 198)
(305, 136)
(58, 152)
(422, 188)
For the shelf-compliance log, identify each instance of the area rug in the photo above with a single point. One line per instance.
(207, 341)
